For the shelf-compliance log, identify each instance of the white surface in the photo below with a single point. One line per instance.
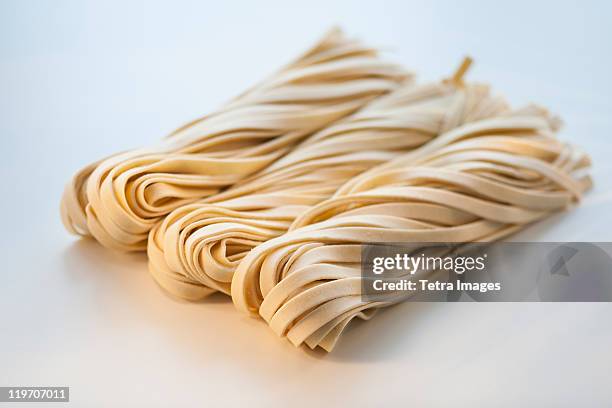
(79, 81)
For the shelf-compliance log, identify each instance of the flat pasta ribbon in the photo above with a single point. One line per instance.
(197, 248)
(479, 182)
(119, 199)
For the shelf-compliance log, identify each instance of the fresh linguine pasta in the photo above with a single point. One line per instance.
(479, 182)
(119, 199)
(196, 249)
(270, 198)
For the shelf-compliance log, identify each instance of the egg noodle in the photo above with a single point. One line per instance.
(270, 199)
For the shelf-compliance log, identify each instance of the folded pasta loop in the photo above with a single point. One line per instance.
(119, 199)
(479, 182)
(200, 245)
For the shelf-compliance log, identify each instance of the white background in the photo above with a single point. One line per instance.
(82, 80)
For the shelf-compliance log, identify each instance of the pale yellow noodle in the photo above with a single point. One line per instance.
(479, 182)
(196, 249)
(119, 199)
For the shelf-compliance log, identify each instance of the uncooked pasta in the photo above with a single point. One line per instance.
(479, 182)
(196, 249)
(119, 199)
(271, 198)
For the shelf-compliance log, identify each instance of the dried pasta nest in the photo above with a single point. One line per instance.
(479, 182)
(119, 199)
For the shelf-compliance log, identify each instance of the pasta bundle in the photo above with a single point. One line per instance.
(196, 249)
(480, 182)
(119, 199)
